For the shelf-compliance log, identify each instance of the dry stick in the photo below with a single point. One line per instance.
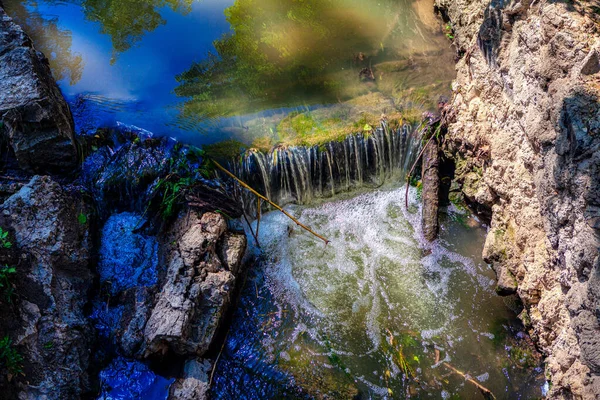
(251, 230)
(485, 391)
(245, 185)
(411, 171)
(258, 215)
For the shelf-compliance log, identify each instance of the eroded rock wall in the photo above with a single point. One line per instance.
(50, 250)
(526, 140)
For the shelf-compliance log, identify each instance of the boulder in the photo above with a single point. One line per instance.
(198, 286)
(51, 237)
(35, 117)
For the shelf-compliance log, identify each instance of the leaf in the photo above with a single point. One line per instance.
(416, 358)
(82, 218)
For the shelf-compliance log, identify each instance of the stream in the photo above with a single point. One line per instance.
(374, 314)
(297, 90)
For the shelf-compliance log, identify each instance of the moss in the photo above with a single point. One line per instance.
(264, 144)
(498, 329)
(525, 318)
(226, 149)
(522, 356)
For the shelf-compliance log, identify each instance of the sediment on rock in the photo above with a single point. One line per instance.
(526, 142)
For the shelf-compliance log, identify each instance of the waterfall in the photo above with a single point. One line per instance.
(301, 174)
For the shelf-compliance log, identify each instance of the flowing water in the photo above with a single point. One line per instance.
(302, 174)
(377, 313)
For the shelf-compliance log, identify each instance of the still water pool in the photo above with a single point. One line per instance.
(209, 70)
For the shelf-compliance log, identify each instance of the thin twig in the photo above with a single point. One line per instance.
(487, 393)
(245, 185)
(212, 373)
(257, 215)
(251, 231)
(13, 178)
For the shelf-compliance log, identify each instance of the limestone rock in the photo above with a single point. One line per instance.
(53, 279)
(198, 286)
(193, 385)
(231, 250)
(526, 134)
(37, 119)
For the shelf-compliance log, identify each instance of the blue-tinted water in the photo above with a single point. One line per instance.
(136, 85)
(147, 63)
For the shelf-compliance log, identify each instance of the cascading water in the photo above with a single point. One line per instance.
(375, 314)
(299, 174)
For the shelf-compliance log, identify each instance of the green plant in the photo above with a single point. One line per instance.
(4, 242)
(5, 285)
(82, 218)
(10, 357)
(172, 192)
(449, 32)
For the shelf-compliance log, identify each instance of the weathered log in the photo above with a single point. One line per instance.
(431, 182)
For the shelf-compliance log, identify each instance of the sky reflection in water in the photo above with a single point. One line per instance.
(147, 62)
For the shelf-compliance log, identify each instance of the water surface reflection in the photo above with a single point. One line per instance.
(219, 69)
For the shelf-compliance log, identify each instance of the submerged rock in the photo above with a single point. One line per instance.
(36, 118)
(53, 277)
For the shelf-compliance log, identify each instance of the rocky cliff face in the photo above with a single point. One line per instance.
(50, 250)
(526, 140)
(34, 116)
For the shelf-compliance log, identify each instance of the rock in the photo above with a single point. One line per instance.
(591, 64)
(127, 259)
(52, 282)
(129, 171)
(194, 384)
(507, 284)
(130, 379)
(37, 120)
(231, 251)
(527, 91)
(197, 288)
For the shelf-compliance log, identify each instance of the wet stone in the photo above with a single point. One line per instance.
(127, 259)
(127, 379)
